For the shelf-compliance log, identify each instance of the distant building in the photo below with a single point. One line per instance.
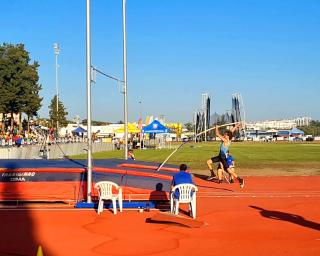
(303, 121)
(278, 124)
(16, 117)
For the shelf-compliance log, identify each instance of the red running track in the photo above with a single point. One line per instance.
(270, 216)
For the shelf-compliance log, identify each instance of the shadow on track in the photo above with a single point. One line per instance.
(293, 218)
(17, 226)
(204, 177)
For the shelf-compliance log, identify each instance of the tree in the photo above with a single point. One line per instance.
(189, 126)
(31, 109)
(312, 129)
(94, 122)
(59, 116)
(19, 82)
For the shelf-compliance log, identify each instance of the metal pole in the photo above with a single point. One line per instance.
(56, 52)
(88, 82)
(125, 79)
(141, 124)
(205, 124)
(195, 126)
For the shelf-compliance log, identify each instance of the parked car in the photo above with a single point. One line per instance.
(309, 139)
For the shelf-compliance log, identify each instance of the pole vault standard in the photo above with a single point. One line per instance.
(125, 79)
(88, 82)
(91, 70)
(214, 127)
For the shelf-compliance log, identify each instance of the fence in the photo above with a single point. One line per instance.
(58, 150)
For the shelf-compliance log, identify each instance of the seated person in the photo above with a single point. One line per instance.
(181, 177)
(131, 155)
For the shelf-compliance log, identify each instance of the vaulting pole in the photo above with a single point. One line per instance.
(224, 125)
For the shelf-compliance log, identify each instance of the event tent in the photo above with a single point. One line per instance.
(296, 131)
(155, 127)
(79, 130)
(131, 129)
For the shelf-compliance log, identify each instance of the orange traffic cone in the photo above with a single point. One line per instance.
(39, 252)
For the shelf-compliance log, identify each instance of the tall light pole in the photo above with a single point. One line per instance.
(125, 79)
(140, 123)
(56, 53)
(88, 82)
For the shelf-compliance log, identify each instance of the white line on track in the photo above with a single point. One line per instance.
(270, 194)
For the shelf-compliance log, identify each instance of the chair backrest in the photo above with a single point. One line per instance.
(186, 192)
(105, 189)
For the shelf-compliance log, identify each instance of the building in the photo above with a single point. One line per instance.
(303, 121)
(278, 124)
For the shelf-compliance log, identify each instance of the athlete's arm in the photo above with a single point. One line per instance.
(236, 127)
(219, 135)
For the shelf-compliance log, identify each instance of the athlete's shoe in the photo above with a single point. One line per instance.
(220, 181)
(231, 180)
(241, 182)
(211, 177)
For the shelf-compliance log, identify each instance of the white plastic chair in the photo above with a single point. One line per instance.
(187, 195)
(105, 193)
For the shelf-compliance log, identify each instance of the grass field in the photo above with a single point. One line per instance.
(252, 158)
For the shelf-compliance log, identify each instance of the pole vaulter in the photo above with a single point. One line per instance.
(210, 129)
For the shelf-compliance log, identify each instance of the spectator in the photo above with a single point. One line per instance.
(131, 155)
(181, 177)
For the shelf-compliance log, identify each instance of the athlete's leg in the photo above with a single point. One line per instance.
(232, 173)
(220, 173)
(210, 166)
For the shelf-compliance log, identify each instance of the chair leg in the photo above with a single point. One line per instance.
(171, 204)
(120, 203)
(114, 205)
(176, 205)
(194, 208)
(100, 206)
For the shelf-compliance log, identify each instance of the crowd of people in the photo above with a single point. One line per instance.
(13, 137)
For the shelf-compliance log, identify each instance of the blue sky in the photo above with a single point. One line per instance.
(267, 50)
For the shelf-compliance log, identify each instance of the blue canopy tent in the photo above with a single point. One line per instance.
(296, 132)
(79, 131)
(155, 127)
(284, 133)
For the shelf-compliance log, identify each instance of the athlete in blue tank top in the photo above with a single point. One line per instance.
(224, 148)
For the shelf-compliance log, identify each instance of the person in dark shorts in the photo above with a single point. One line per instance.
(230, 171)
(224, 149)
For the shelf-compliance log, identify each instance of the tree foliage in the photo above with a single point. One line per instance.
(59, 116)
(94, 122)
(313, 129)
(189, 126)
(19, 81)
